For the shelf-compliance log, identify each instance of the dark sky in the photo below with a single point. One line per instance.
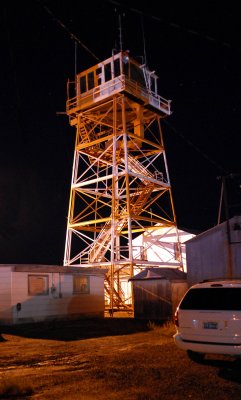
(195, 50)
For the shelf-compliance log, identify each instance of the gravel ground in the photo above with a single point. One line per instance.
(113, 358)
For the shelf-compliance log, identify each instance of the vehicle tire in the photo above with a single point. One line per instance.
(195, 356)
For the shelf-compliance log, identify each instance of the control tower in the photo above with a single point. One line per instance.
(120, 184)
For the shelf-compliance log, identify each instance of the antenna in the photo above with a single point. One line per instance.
(120, 29)
(144, 41)
(120, 33)
(75, 63)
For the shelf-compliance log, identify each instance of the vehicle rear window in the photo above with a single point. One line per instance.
(212, 299)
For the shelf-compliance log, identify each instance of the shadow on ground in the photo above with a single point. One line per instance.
(78, 329)
(229, 367)
(231, 372)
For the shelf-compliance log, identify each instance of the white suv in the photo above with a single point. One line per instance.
(208, 319)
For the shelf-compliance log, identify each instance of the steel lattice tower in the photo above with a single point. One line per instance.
(120, 183)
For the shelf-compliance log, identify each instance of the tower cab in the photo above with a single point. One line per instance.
(119, 73)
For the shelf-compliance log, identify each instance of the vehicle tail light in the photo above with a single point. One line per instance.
(176, 322)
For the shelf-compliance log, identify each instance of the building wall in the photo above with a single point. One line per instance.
(152, 299)
(5, 295)
(208, 253)
(236, 248)
(178, 289)
(61, 302)
(18, 306)
(157, 298)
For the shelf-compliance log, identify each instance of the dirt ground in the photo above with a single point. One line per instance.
(113, 358)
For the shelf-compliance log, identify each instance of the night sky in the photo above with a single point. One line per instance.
(196, 52)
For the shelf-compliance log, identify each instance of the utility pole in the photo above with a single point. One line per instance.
(229, 247)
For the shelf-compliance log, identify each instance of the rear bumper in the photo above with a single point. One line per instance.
(207, 347)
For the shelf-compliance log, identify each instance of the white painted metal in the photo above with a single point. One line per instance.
(160, 244)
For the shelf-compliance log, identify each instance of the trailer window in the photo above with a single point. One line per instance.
(81, 284)
(38, 285)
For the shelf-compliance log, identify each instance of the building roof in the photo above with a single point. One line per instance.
(171, 274)
(40, 268)
(234, 221)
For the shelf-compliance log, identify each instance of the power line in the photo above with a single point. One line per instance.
(159, 19)
(71, 34)
(175, 25)
(204, 155)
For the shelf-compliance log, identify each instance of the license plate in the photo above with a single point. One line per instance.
(210, 325)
